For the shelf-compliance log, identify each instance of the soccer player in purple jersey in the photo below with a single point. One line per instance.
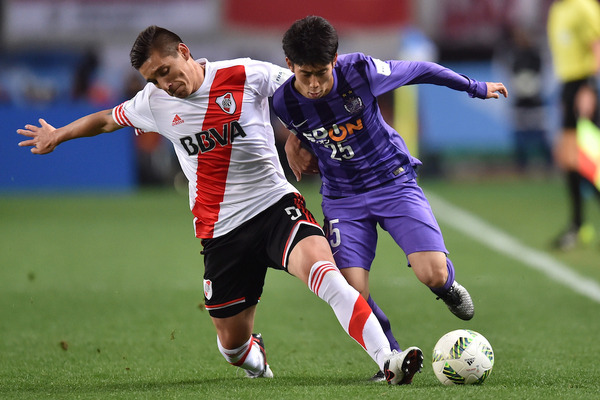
(368, 175)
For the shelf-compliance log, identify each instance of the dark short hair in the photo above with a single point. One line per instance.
(310, 41)
(150, 39)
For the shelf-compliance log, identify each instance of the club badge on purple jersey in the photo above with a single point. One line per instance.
(352, 103)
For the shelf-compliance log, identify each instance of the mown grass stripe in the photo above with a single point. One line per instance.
(490, 236)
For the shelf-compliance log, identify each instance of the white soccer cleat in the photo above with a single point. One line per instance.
(400, 368)
(266, 372)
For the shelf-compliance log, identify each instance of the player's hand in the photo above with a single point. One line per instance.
(300, 160)
(43, 139)
(495, 89)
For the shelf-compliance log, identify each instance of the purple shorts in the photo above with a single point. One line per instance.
(400, 208)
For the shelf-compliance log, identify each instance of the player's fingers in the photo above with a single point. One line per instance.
(46, 125)
(500, 88)
(35, 150)
(30, 128)
(298, 175)
(25, 132)
(26, 143)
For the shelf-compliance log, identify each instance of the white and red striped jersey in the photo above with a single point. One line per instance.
(223, 139)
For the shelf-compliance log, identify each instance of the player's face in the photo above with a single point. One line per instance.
(313, 81)
(178, 76)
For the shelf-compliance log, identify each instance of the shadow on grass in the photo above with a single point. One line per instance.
(222, 384)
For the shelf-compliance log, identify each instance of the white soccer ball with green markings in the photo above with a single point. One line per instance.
(462, 357)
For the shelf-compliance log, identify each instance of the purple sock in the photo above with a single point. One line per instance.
(449, 281)
(384, 322)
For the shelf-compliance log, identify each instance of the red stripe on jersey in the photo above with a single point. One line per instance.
(213, 165)
(121, 117)
(360, 314)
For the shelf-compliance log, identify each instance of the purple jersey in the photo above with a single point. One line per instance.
(357, 150)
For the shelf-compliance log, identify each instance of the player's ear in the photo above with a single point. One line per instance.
(184, 50)
(290, 64)
(334, 59)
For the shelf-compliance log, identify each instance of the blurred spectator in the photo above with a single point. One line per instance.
(529, 129)
(4, 95)
(40, 91)
(84, 74)
(574, 38)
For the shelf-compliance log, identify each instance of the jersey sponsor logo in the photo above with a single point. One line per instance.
(208, 291)
(336, 133)
(227, 103)
(208, 140)
(177, 120)
(335, 138)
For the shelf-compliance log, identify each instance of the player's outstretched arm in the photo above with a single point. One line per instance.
(45, 138)
(495, 89)
(301, 161)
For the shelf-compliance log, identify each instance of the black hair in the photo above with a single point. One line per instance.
(310, 41)
(150, 39)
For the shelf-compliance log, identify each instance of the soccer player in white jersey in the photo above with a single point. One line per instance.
(216, 114)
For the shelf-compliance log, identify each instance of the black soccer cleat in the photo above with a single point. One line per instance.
(459, 301)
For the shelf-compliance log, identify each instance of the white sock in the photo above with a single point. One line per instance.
(248, 356)
(351, 310)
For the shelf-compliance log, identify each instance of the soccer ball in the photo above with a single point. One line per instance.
(462, 357)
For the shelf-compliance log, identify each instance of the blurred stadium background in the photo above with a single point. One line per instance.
(62, 59)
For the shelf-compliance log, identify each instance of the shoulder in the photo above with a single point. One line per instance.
(359, 65)
(349, 60)
(147, 95)
(223, 63)
(254, 70)
(359, 62)
(246, 62)
(352, 57)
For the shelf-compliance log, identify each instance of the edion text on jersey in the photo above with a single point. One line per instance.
(337, 133)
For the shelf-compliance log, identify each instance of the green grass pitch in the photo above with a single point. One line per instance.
(101, 298)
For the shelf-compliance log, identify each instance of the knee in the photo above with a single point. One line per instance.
(435, 277)
(432, 273)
